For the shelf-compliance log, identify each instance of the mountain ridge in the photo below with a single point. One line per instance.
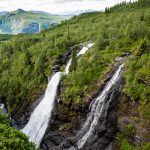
(3, 12)
(21, 21)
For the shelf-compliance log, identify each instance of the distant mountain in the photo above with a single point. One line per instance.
(21, 21)
(3, 12)
(73, 13)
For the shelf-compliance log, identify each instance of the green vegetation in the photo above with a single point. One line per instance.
(12, 139)
(128, 6)
(137, 75)
(26, 61)
(4, 119)
(89, 71)
(74, 59)
(4, 37)
(126, 145)
(130, 130)
(65, 126)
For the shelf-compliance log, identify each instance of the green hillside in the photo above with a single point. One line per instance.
(21, 21)
(26, 61)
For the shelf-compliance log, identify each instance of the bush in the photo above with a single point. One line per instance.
(11, 139)
(126, 145)
(4, 119)
(130, 130)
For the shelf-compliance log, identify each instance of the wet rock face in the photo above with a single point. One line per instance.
(102, 136)
(57, 140)
(56, 68)
(66, 56)
(23, 120)
(106, 129)
(63, 60)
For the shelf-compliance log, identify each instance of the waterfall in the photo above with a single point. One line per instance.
(67, 67)
(98, 107)
(39, 120)
(81, 52)
(2, 109)
(38, 123)
(39, 27)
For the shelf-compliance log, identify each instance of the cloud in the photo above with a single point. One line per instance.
(56, 6)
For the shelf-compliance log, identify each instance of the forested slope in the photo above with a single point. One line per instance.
(26, 60)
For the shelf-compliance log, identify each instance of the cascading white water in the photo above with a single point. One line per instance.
(84, 49)
(96, 110)
(38, 122)
(3, 109)
(81, 52)
(67, 67)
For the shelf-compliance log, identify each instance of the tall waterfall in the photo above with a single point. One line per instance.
(37, 125)
(97, 109)
(39, 120)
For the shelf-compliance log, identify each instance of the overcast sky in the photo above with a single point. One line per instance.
(56, 6)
